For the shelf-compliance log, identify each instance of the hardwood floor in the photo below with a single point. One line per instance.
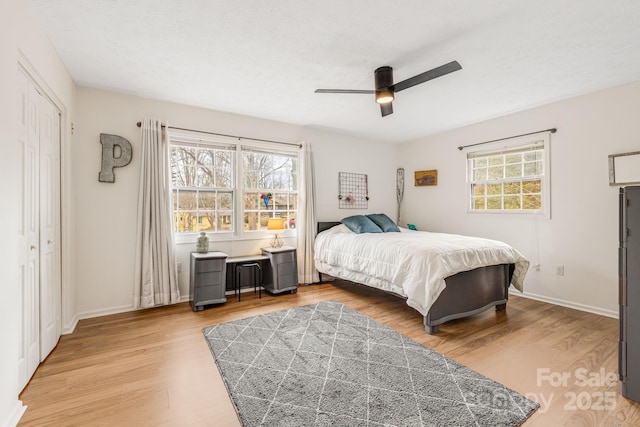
(153, 367)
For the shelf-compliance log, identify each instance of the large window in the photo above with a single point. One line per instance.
(202, 178)
(270, 175)
(220, 186)
(511, 178)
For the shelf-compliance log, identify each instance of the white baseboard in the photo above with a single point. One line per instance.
(69, 328)
(568, 304)
(114, 310)
(121, 309)
(14, 415)
(104, 312)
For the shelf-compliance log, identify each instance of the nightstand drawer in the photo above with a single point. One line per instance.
(288, 280)
(285, 269)
(284, 258)
(207, 265)
(212, 294)
(209, 278)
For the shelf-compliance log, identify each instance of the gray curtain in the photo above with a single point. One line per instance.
(306, 220)
(156, 281)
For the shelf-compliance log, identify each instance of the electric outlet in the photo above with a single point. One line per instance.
(559, 270)
(179, 264)
(536, 267)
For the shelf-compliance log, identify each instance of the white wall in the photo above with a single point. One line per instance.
(335, 153)
(106, 213)
(19, 32)
(582, 233)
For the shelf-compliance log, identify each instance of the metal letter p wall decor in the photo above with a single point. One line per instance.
(110, 145)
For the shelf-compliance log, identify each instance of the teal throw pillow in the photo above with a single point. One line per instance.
(361, 224)
(385, 223)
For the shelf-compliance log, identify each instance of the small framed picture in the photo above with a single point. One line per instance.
(423, 178)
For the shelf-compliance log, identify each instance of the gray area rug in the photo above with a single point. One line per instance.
(328, 365)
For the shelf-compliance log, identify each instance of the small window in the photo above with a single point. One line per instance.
(511, 178)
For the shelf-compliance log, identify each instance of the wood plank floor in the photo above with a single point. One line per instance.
(153, 367)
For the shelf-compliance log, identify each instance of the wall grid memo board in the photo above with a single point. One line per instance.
(353, 190)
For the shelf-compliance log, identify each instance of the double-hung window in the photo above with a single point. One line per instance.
(270, 188)
(512, 177)
(203, 186)
(226, 188)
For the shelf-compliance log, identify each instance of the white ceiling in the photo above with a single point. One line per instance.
(265, 58)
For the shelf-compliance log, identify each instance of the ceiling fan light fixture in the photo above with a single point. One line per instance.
(384, 96)
(385, 88)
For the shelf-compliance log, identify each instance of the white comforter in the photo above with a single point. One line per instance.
(413, 264)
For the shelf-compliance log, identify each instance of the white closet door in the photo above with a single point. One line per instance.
(50, 327)
(29, 231)
(39, 232)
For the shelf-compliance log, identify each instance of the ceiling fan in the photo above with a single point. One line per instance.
(385, 88)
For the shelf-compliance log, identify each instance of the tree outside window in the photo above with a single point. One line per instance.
(203, 179)
(269, 173)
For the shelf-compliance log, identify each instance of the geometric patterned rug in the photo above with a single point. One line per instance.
(326, 364)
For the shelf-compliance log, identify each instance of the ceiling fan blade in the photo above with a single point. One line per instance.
(368, 92)
(386, 109)
(426, 76)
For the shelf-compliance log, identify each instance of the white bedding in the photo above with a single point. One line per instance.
(411, 263)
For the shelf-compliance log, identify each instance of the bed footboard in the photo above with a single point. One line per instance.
(469, 293)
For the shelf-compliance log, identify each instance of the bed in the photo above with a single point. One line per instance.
(442, 276)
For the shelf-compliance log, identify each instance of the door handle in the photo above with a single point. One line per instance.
(33, 247)
(49, 242)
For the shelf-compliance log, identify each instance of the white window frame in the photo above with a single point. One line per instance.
(268, 148)
(183, 137)
(537, 140)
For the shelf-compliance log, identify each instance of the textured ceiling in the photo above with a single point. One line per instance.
(266, 58)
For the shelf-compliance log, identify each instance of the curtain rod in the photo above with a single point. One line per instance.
(139, 124)
(552, 130)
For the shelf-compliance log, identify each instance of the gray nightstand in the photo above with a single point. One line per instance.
(207, 282)
(280, 274)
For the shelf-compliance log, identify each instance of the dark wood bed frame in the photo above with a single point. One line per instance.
(466, 293)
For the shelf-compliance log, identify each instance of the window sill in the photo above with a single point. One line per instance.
(541, 214)
(190, 239)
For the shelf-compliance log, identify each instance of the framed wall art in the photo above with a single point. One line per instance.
(423, 178)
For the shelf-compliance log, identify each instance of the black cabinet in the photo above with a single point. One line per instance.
(207, 281)
(280, 274)
(629, 292)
